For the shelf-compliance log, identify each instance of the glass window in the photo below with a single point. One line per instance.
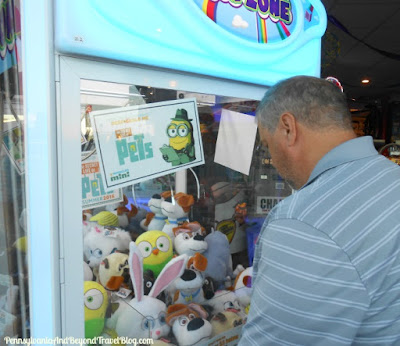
(221, 200)
(14, 303)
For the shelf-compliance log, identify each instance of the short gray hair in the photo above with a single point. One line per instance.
(315, 102)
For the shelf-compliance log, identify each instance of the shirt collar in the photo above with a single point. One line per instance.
(354, 149)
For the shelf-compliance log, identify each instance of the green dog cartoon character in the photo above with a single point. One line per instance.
(181, 143)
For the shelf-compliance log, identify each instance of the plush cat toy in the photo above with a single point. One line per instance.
(155, 220)
(189, 238)
(156, 249)
(144, 316)
(189, 323)
(176, 209)
(87, 225)
(219, 258)
(100, 242)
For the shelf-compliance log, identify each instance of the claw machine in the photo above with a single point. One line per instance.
(162, 184)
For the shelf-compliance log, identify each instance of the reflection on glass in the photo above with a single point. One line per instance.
(219, 214)
(14, 304)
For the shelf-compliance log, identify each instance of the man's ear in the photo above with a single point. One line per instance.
(288, 125)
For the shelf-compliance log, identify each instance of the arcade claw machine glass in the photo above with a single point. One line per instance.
(146, 123)
(167, 145)
(163, 183)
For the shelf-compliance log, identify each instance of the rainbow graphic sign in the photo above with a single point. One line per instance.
(263, 21)
(253, 41)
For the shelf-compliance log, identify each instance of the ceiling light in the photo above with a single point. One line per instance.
(365, 81)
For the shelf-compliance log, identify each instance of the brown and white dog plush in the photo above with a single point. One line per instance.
(189, 238)
(123, 214)
(189, 323)
(190, 285)
(243, 286)
(176, 208)
(155, 219)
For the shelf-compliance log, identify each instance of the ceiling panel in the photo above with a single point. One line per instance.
(377, 23)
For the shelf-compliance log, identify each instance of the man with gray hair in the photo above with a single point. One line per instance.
(327, 261)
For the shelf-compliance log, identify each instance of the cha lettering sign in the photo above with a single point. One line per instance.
(266, 203)
(142, 142)
(93, 192)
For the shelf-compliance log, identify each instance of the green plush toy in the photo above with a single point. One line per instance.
(96, 302)
(156, 248)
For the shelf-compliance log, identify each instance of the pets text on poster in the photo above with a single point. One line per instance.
(147, 141)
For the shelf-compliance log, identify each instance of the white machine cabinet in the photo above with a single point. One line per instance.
(123, 73)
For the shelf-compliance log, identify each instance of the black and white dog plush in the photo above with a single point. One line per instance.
(189, 323)
(190, 284)
(189, 238)
(209, 287)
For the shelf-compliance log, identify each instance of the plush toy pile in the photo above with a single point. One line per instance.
(171, 279)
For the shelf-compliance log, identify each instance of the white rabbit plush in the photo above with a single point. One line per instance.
(144, 316)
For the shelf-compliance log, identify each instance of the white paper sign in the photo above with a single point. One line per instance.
(235, 142)
(147, 141)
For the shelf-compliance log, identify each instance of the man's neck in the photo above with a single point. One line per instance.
(315, 146)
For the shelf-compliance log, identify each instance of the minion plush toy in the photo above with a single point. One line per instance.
(96, 302)
(181, 143)
(156, 248)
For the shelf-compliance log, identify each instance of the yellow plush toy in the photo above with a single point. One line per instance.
(106, 218)
(96, 302)
(156, 248)
(21, 244)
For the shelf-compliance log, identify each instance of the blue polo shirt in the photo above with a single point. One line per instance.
(327, 262)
